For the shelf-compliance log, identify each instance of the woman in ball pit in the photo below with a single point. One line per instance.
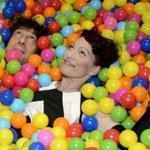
(83, 59)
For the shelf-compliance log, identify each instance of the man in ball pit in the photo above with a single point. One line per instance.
(82, 60)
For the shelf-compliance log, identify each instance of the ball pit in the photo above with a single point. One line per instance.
(122, 90)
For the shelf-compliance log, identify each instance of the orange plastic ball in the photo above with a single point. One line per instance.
(44, 68)
(55, 74)
(140, 93)
(61, 122)
(79, 4)
(29, 3)
(126, 82)
(18, 120)
(129, 8)
(28, 130)
(137, 112)
(35, 60)
(72, 37)
(49, 12)
(27, 13)
(1, 73)
(139, 59)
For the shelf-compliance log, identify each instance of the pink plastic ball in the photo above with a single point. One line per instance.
(13, 55)
(133, 47)
(29, 69)
(45, 137)
(45, 3)
(134, 17)
(21, 78)
(141, 35)
(47, 55)
(110, 23)
(119, 93)
(107, 14)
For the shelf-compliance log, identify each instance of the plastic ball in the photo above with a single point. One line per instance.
(130, 69)
(8, 12)
(26, 95)
(109, 145)
(145, 28)
(120, 14)
(15, 135)
(140, 8)
(62, 21)
(76, 143)
(91, 144)
(18, 120)
(53, 27)
(95, 4)
(74, 17)
(6, 97)
(12, 55)
(89, 107)
(43, 42)
(146, 17)
(27, 13)
(28, 130)
(16, 90)
(134, 17)
(4, 123)
(110, 23)
(79, 4)
(28, 68)
(108, 33)
(118, 114)
(60, 50)
(18, 105)
(36, 146)
(44, 80)
(58, 132)
(87, 90)
(44, 68)
(90, 123)
(59, 144)
(121, 25)
(45, 137)
(132, 25)
(97, 135)
(103, 74)
(5, 113)
(57, 39)
(114, 72)
(66, 7)
(6, 136)
(33, 84)
(140, 81)
(137, 146)
(108, 4)
(144, 73)
(75, 130)
(37, 9)
(127, 138)
(62, 122)
(6, 34)
(47, 55)
(130, 35)
(56, 4)
(145, 44)
(35, 60)
(20, 6)
(67, 30)
(145, 137)
(13, 66)
(40, 120)
(49, 12)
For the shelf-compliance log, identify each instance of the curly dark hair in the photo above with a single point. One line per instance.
(19, 22)
(105, 50)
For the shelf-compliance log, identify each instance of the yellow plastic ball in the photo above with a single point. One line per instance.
(119, 36)
(76, 27)
(124, 57)
(127, 138)
(25, 145)
(87, 24)
(40, 120)
(108, 4)
(106, 105)
(59, 144)
(0, 38)
(92, 143)
(2, 63)
(114, 72)
(146, 17)
(89, 107)
(66, 7)
(6, 114)
(120, 3)
(146, 28)
(69, 1)
(130, 69)
(87, 90)
(137, 146)
(4, 147)
(58, 132)
(140, 8)
(40, 19)
(21, 141)
(108, 34)
(147, 4)
(147, 64)
(112, 85)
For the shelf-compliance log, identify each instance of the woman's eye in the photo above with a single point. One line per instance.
(82, 53)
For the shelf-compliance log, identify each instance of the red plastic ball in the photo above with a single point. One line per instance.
(16, 90)
(75, 130)
(120, 14)
(53, 27)
(98, 21)
(33, 84)
(112, 134)
(8, 81)
(128, 100)
(101, 12)
(37, 9)
(43, 42)
(56, 4)
(144, 73)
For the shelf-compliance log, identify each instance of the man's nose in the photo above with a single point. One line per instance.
(22, 40)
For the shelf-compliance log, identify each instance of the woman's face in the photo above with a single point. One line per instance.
(79, 60)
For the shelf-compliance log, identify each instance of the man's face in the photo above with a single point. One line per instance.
(24, 41)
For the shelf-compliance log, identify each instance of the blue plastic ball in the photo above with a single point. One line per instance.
(140, 81)
(2, 45)
(66, 30)
(4, 123)
(48, 20)
(8, 12)
(18, 105)
(11, 3)
(6, 34)
(36, 146)
(6, 97)
(133, 1)
(60, 50)
(15, 135)
(94, 80)
(84, 9)
(145, 44)
(44, 80)
(20, 6)
(34, 137)
(96, 4)
(90, 123)
(121, 25)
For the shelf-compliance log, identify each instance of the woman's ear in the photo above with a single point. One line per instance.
(94, 70)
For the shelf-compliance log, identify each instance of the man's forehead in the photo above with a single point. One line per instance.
(30, 30)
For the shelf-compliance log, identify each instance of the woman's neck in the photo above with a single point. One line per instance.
(70, 85)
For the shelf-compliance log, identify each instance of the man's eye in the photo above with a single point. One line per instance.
(32, 37)
(17, 32)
